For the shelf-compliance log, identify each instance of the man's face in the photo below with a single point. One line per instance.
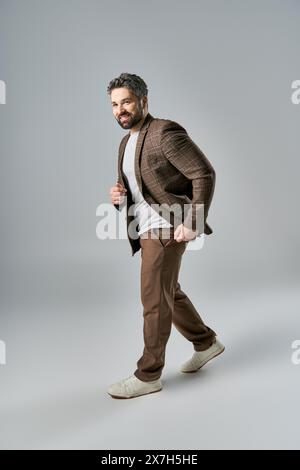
(128, 109)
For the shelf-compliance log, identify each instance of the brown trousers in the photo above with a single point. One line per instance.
(164, 302)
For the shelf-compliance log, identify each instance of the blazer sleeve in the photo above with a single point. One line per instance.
(186, 156)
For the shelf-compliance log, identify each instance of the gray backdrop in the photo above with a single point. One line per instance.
(71, 316)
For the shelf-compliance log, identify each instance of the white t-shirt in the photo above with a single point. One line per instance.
(146, 216)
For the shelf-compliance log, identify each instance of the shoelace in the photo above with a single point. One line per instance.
(195, 360)
(129, 384)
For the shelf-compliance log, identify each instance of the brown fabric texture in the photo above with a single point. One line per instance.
(170, 169)
(165, 303)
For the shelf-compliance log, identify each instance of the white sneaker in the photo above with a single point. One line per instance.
(133, 387)
(200, 358)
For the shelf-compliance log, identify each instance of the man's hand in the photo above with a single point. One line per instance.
(117, 193)
(184, 234)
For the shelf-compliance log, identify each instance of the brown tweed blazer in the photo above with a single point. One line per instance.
(170, 168)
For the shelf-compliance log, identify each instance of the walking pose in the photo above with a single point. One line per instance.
(159, 168)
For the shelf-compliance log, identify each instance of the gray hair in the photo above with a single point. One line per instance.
(131, 81)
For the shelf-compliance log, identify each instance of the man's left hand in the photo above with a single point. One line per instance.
(184, 234)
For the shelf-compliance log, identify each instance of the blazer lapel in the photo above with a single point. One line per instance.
(121, 175)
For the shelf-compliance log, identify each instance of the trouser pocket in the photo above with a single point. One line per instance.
(165, 242)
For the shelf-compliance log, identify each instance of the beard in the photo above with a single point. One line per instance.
(131, 120)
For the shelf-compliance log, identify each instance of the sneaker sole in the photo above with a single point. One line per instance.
(136, 396)
(203, 364)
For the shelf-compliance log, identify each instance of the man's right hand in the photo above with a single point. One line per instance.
(117, 193)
